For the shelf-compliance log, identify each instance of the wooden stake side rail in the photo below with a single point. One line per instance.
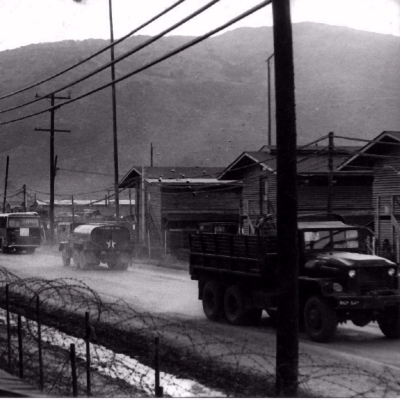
(239, 254)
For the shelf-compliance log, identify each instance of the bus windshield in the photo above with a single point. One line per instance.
(23, 222)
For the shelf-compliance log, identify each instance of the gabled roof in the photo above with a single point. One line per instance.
(247, 158)
(367, 155)
(310, 159)
(169, 174)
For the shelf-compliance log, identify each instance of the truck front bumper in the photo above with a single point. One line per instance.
(370, 302)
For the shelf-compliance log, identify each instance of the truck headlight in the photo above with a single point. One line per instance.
(337, 287)
(391, 272)
(352, 273)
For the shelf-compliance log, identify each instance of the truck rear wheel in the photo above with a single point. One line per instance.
(320, 319)
(123, 261)
(234, 306)
(213, 300)
(389, 322)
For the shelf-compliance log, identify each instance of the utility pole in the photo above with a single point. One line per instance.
(114, 108)
(73, 209)
(151, 154)
(24, 191)
(5, 185)
(287, 341)
(330, 173)
(143, 209)
(52, 130)
(269, 101)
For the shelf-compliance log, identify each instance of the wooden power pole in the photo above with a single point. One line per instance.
(5, 185)
(114, 108)
(287, 346)
(330, 173)
(52, 130)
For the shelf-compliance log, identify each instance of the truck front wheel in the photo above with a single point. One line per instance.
(320, 319)
(389, 322)
(213, 304)
(234, 306)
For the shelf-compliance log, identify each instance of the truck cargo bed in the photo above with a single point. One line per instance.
(240, 254)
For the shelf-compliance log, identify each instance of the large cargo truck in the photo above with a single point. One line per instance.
(340, 279)
(91, 244)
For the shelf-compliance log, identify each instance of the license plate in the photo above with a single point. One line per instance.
(23, 231)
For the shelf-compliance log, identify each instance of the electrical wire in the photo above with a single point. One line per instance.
(114, 43)
(151, 64)
(118, 59)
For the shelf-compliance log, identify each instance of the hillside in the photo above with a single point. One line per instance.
(202, 107)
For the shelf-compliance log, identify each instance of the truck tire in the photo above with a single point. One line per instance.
(213, 301)
(76, 258)
(66, 260)
(4, 249)
(389, 323)
(85, 260)
(234, 306)
(320, 319)
(123, 262)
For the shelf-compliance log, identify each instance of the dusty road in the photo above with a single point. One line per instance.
(171, 293)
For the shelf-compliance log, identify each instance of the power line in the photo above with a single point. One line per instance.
(120, 58)
(96, 53)
(151, 64)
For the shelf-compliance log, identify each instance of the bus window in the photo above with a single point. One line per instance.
(25, 222)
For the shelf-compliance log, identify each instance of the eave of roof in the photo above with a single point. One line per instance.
(258, 157)
(368, 148)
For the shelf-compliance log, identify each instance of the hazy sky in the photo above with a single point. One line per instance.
(31, 21)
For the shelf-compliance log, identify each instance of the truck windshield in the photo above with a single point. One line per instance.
(331, 239)
(25, 222)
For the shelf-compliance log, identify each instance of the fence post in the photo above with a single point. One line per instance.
(20, 350)
(8, 327)
(158, 388)
(87, 339)
(73, 371)
(39, 327)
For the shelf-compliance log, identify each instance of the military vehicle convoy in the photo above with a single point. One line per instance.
(91, 244)
(339, 280)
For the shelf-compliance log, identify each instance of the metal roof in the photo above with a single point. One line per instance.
(169, 173)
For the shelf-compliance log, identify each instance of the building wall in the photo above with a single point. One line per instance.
(386, 185)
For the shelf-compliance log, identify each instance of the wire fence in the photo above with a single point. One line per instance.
(60, 336)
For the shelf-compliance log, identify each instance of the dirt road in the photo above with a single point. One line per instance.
(354, 359)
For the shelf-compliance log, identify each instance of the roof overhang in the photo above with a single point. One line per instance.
(239, 159)
(371, 147)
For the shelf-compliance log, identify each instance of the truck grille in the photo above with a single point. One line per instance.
(373, 279)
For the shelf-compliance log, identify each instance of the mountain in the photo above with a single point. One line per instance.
(204, 106)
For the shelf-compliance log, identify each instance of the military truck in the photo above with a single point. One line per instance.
(91, 244)
(340, 279)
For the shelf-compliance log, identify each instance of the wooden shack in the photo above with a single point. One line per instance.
(173, 201)
(350, 194)
(381, 157)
